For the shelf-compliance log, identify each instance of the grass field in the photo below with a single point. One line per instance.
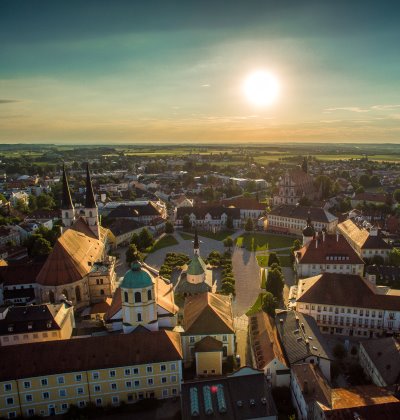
(164, 242)
(185, 236)
(262, 260)
(218, 236)
(262, 242)
(257, 305)
(284, 260)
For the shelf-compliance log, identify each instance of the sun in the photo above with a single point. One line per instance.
(261, 88)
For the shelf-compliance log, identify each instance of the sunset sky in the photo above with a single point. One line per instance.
(174, 71)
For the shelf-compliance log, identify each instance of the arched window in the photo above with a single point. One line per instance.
(51, 297)
(149, 297)
(78, 293)
(90, 214)
(66, 215)
(139, 317)
(138, 297)
(65, 293)
(126, 297)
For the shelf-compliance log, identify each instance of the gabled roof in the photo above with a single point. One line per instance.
(331, 250)
(90, 202)
(316, 214)
(244, 203)
(208, 344)
(208, 313)
(72, 258)
(196, 266)
(89, 353)
(129, 211)
(214, 211)
(346, 290)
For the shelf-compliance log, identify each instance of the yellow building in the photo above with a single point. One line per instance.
(47, 378)
(207, 315)
(35, 323)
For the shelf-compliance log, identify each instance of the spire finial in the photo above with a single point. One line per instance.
(196, 240)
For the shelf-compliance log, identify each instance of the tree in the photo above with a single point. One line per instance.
(394, 257)
(275, 283)
(228, 288)
(32, 203)
(273, 259)
(396, 195)
(339, 351)
(21, 206)
(360, 190)
(145, 239)
(249, 225)
(229, 223)
(2, 198)
(304, 165)
(378, 260)
(364, 180)
(186, 222)
(228, 242)
(305, 201)
(45, 202)
(269, 303)
(132, 254)
(169, 227)
(41, 247)
(324, 184)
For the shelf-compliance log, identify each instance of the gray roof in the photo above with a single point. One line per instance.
(385, 355)
(316, 214)
(300, 337)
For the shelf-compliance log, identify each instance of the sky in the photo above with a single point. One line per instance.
(173, 71)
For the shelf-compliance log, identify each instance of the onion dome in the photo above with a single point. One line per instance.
(136, 278)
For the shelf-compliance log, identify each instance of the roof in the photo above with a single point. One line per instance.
(14, 274)
(317, 214)
(312, 383)
(243, 385)
(89, 353)
(136, 278)
(294, 331)
(333, 249)
(244, 203)
(370, 196)
(385, 355)
(208, 344)
(124, 211)
(265, 341)
(120, 226)
(24, 319)
(72, 258)
(185, 287)
(208, 313)
(361, 236)
(196, 266)
(201, 211)
(345, 290)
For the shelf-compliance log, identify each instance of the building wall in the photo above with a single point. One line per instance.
(296, 226)
(209, 363)
(369, 368)
(102, 387)
(309, 270)
(298, 400)
(270, 373)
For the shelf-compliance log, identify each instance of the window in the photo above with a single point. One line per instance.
(79, 391)
(30, 412)
(135, 371)
(114, 386)
(150, 381)
(191, 339)
(128, 384)
(115, 400)
(45, 395)
(173, 378)
(64, 407)
(98, 401)
(12, 415)
(28, 398)
(97, 388)
(137, 383)
(138, 297)
(112, 373)
(78, 378)
(130, 398)
(149, 296)
(10, 401)
(7, 387)
(165, 392)
(163, 380)
(174, 391)
(62, 393)
(44, 382)
(82, 404)
(149, 369)
(173, 366)
(60, 379)
(224, 338)
(126, 296)
(127, 372)
(95, 375)
(163, 368)
(139, 317)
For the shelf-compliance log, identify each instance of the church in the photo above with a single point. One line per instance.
(78, 268)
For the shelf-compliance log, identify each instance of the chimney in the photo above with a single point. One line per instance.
(316, 243)
(323, 236)
(337, 236)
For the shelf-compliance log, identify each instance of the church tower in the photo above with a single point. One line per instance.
(196, 271)
(91, 210)
(139, 306)
(67, 208)
(196, 246)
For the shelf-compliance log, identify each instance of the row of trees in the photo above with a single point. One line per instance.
(274, 283)
(225, 262)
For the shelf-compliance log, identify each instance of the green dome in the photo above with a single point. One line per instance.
(136, 278)
(196, 266)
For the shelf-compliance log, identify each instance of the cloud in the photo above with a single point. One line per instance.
(348, 108)
(205, 86)
(8, 101)
(384, 107)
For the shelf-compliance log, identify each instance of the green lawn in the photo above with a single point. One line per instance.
(165, 241)
(186, 236)
(256, 305)
(262, 260)
(218, 236)
(262, 242)
(285, 260)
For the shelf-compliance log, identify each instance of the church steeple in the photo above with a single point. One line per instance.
(90, 202)
(66, 203)
(67, 208)
(196, 246)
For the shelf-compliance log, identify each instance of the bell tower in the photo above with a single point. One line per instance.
(91, 210)
(67, 208)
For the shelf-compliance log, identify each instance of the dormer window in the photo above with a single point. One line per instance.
(30, 326)
(10, 328)
(49, 324)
